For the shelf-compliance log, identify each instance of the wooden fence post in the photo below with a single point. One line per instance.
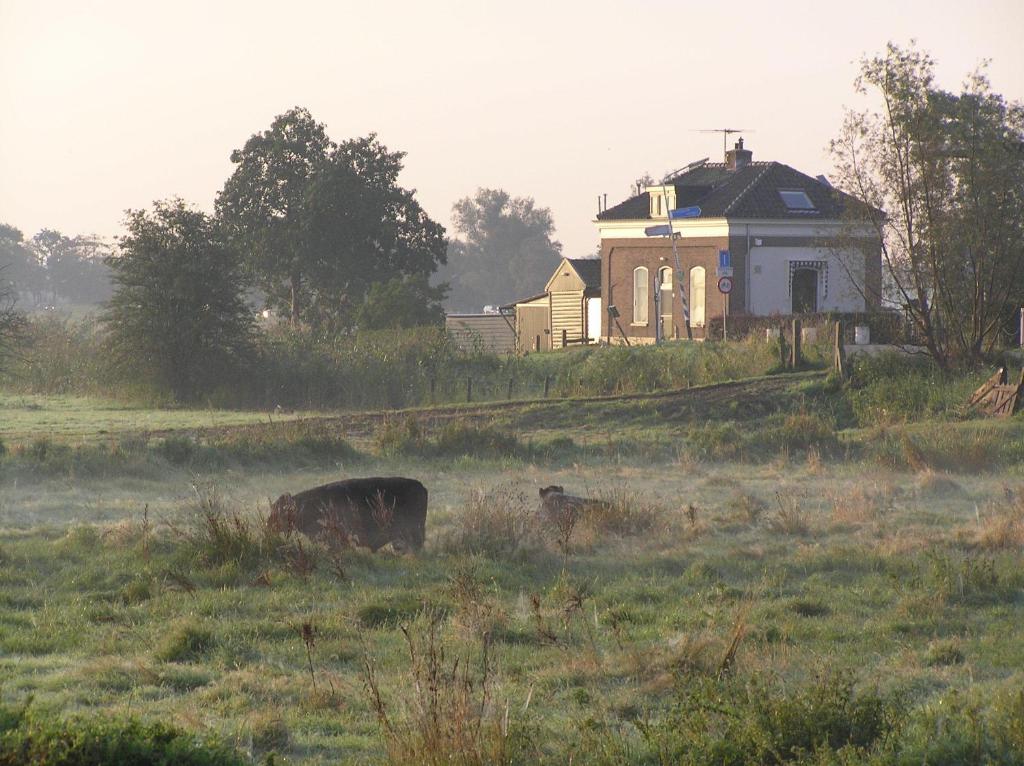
(510, 389)
(536, 344)
(469, 389)
(433, 388)
(794, 358)
(783, 350)
(547, 385)
(564, 337)
(840, 352)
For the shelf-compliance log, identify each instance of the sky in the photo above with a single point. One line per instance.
(106, 106)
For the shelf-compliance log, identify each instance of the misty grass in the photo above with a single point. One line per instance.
(913, 598)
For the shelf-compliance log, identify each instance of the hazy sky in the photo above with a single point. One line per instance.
(111, 105)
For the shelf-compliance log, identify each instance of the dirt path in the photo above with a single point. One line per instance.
(741, 399)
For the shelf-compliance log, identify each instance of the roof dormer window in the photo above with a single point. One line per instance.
(797, 201)
(662, 200)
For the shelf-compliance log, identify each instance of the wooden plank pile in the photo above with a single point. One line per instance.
(998, 398)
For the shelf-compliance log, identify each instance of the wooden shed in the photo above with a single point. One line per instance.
(488, 332)
(571, 291)
(533, 323)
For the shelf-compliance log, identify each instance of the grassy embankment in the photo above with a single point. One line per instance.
(788, 573)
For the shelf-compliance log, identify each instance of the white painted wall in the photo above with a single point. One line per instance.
(769, 289)
(594, 319)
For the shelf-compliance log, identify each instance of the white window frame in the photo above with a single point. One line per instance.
(698, 298)
(797, 209)
(641, 296)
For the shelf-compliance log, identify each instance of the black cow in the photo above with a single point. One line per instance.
(369, 512)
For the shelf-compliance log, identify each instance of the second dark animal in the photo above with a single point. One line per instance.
(370, 512)
(556, 506)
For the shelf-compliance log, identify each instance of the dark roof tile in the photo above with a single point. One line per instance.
(750, 192)
(589, 270)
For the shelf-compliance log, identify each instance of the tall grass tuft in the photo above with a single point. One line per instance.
(449, 714)
(499, 524)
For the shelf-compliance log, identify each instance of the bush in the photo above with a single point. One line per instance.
(499, 524)
(30, 738)
(184, 642)
(454, 439)
(731, 722)
(894, 388)
(798, 432)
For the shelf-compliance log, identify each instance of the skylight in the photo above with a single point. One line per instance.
(797, 201)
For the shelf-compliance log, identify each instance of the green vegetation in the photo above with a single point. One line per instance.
(383, 369)
(832, 624)
(26, 737)
(777, 572)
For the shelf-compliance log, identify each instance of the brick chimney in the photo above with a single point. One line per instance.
(739, 157)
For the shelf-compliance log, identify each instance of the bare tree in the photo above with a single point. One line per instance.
(939, 177)
(12, 321)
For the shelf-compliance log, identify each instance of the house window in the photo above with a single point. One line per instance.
(665, 286)
(797, 201)
(640, 295)
(697, 296)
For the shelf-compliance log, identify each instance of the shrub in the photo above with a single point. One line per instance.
(894, 388)
(621, 512)
(942, 653)
(499, 524)
(215, 534)
(448, 714)
(392, 611)
(454, 439)
(31, 738)
(185, 641)
(725, 721)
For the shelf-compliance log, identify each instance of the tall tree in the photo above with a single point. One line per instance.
(73, 267)
(21, 271)
(262, 204)
(12, 321)
(400, 303)
(322, 222)
(363, 228)
(940, 179)
(177, 314)
(505, 250)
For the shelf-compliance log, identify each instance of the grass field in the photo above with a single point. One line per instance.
(758, 598)
(24, 417)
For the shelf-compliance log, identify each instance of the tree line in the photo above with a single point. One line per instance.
(320, 234)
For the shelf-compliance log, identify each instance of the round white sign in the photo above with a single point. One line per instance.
(725, 285)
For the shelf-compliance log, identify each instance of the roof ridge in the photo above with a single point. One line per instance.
(751, 185)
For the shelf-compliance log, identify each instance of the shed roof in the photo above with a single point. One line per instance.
(589, 270)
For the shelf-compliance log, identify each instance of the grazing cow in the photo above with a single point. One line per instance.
(558, 506)
(369, 512)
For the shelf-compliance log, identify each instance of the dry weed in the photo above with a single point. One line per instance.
(449, 714)
(861, 504)
(790, 518)
(1001, 526)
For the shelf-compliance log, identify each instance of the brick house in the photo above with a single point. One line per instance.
(779, 226)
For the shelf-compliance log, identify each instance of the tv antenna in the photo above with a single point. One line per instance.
(725, 134)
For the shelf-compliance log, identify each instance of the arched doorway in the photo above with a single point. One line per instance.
(665, 283)
(805, 291)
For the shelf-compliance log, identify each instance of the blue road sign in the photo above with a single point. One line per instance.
(684, 212)
(724, 259)
(658, 231)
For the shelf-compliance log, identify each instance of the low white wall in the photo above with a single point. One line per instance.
(594, 318)
(770, 289)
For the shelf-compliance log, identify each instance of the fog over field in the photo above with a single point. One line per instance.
(340, 423)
